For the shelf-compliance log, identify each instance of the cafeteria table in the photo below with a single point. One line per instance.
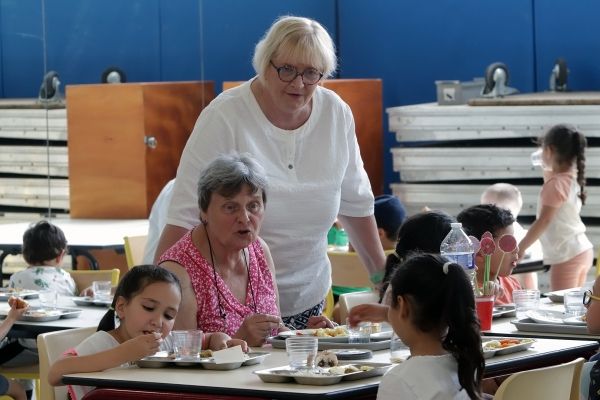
(90, 316)
(187, 383)
(82, 236)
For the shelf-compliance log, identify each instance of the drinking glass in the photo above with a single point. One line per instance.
(187, 343)
(525, 300)
(360, 333)
(48, 298)
(102, 290)
(398, 350)
(485, 310)
(301, 351)
(574, 303)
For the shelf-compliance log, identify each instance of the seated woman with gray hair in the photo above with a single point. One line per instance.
(225, 268)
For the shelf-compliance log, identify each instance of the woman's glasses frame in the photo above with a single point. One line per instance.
(288, 73)
(588, 297)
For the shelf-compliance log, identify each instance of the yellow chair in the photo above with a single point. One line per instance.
(349, 300)
(84, 278)
(329, 304)
(27, 372)
(51, 346)
(134, 249)
(555, 382)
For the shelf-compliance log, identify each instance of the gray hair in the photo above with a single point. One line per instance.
(227, 174)
(298, 38)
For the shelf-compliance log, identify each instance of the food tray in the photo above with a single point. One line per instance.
(5, 294)
(89, 301)
(41, 314)
(506, 310)
(323, 377)
(279, 343)
(206, 363)
(490, 351)
(377, 336)
(529, 325)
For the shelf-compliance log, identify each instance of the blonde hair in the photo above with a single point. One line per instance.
(301, 39)
(503, 195)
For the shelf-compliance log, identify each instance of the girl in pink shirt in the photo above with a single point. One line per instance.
(558, 225)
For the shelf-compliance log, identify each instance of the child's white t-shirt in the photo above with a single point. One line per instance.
(423, 378)
(99, 341)
(44, 277)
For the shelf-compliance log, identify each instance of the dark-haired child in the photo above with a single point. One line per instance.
(558, 225)
(433, 312)
(146, 302)
(476, 220)
(44, 247)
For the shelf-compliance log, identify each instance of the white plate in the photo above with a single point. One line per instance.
(546, 316)
(575, 321)
(558, 296)
(524, 344)
(89, 301)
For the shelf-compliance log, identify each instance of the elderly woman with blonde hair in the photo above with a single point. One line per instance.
(304, 136)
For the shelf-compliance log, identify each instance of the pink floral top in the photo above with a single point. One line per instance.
(260, 292)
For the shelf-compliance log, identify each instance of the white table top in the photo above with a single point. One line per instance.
(242, 381)
(90, 316)
(81, 232)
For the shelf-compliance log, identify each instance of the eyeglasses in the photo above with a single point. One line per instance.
(588, 297)
(287, 73)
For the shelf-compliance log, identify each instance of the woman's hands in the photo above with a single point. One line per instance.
(256, 328)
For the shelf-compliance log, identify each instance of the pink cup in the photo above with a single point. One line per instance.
(485, 310)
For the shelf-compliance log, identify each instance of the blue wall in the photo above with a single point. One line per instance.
(407, 44)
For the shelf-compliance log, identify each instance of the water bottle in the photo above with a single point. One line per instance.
(457, 248)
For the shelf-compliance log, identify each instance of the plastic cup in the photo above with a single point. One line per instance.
(485, 310)
(301, 351)
(398, 350)
(573, 301)
(187, 343)
(48, 298)
(525, 300)
(360, 333)
(102, 290)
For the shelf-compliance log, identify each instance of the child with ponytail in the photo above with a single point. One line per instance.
(558, 225)
(146, 303)
(433, 312)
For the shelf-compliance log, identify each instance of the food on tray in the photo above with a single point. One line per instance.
(326, 359)
(331, 332)
(375, 327)
(348, 369)
(504, 343)
(206, 353)
(20, 302)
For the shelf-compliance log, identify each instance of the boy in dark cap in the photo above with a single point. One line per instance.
(389, 214)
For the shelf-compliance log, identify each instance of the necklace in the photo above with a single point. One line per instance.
(222, 312)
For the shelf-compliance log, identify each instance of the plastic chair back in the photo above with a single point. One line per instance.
(84, 278)
(349, 300)
(555, 382)
(51, 346)
(134, 249)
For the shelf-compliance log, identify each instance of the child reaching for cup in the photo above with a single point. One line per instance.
(11, 387)
(558, 225)
(146, 302)
(433, 312)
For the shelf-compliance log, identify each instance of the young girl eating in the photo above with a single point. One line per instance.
(433, 312)
(146, 303)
